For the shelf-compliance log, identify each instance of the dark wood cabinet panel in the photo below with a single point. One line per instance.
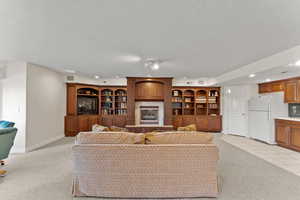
(291, 91)
(214, 123)
(106, 120)
(71, 100)
(202, 123)
(177, 122)
(71, 125)
(264, 88)
(120, 121)
(188, 119)
(282, 134)
(295, 137)
(93, 119)
(83, 123)
(275, 86)
(149, 91)
(288, 134)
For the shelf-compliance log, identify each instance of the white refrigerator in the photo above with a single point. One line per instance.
(262, 111)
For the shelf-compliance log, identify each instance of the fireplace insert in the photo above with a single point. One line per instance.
(149, 115)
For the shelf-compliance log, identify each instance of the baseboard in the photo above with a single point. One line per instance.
(36, 146)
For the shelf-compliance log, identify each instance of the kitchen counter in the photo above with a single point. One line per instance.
(288, 118)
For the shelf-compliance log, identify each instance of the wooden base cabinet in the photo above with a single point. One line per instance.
(203, 122)
(81, 123)
(288, 134)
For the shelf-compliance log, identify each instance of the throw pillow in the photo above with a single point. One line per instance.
(98, 128)
(179, 138)
(191, 127)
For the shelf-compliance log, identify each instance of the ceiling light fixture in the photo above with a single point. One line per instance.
(297, 63)
(96, 76)
(252, 75)
(155, 66)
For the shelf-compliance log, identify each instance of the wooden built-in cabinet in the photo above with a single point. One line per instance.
(292, 91)
(151, 91)
(196, 101)
(88, 105)
(290, 87)
(288, 134)
(197, 105)
(115, 105)
(275, 86)
(203, 122)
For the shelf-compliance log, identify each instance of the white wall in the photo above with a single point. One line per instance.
(46, 106)
(13, 101)
(33, 97)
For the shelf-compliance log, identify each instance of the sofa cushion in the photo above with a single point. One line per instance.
(191, 127)
(110, 138)
(179, 138)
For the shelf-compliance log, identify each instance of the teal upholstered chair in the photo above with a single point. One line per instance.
(6, 124)
(7, 137)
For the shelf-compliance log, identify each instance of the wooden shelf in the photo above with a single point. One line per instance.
(204, 96)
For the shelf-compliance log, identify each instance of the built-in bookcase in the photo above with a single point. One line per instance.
(196, 101)
(120, 102)
(101, 101)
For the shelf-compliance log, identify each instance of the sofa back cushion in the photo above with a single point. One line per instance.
(179, 138)
(110, 138)
(6, 124)
(191, 127)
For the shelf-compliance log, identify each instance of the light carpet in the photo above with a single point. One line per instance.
(45, 174)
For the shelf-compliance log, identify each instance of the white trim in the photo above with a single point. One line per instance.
(15, 150)
(36, 146)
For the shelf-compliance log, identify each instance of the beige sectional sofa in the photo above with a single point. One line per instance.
(143, 170)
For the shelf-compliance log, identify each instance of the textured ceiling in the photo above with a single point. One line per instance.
(201, 38)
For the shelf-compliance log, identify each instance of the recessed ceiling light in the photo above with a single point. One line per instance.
(297, 63)
(70, 71)
(96, 76)
(268, 80)
(117, 76)
(252, 75)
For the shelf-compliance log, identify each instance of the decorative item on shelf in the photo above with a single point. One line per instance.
(188, 100)
(212, 99)
(213, 106)
(175, 93)
(201, 99)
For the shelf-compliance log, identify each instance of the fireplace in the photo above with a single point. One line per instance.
(149, 115)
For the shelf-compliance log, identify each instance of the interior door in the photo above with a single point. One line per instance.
(236, 109)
